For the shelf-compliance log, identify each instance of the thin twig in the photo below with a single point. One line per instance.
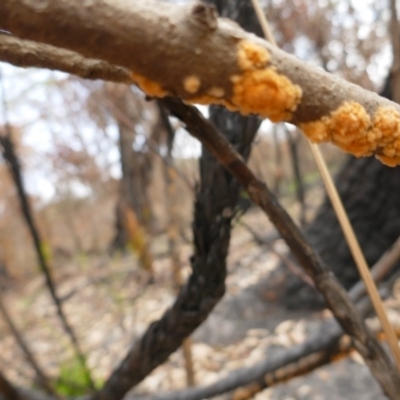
(26, 53)
(264, 24)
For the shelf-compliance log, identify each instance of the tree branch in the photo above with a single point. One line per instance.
(207, 60)
(25, 53)
(334, 294)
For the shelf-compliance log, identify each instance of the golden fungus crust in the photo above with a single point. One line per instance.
(389, 161)
(316, 131)
(267, 93)
(349, 125)
(204, 99)
(259, 88)
(148, 86)
(386, 130)
(217, 92)
(251, 56)
(350, 128)
(192, 84)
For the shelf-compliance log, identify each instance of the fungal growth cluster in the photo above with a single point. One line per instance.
(148, 86)
(259, 88)
(352, 129)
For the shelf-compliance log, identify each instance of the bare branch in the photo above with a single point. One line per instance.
(25, 53)
(334, 294)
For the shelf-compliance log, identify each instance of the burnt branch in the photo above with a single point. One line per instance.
(324, 281)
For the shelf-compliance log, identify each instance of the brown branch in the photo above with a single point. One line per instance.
(335, 296)
(25, 53)
(212, 60)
